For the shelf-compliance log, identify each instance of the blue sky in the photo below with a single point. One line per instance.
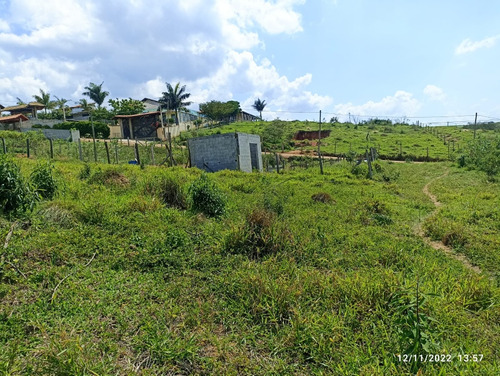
(387, 58)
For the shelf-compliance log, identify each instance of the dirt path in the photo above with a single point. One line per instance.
(440, 246)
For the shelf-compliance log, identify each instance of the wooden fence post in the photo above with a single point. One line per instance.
(277, 163)
(28, 147)
(80, 154)
(369, 161)
(116, 153)
(107, 152)
(137, 156)
(51, 149)
(4, 147)
(153, 153)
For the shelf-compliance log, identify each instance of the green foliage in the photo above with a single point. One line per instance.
(126, 106)
(415, 326)
(169, 191)
(101, 113)
(175, 98)
(276, 134)
(484, 155)
(16, 195)
(286, 286)
(260, 236)
(206, 197)
(85, 127)
(322, 197)
(43, 180)
(96, 93)
(84, 172)
(219, 111)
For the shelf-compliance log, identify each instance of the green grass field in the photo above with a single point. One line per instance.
(304, 274)
(396, 141)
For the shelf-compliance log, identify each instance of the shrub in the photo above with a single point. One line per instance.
(206, 197)
(16, 195)
(85, 127)
(260, 236)
(43, 180)
(169, 191)
(84, 172)
(110, 177)
(322, 197)
(484, 155)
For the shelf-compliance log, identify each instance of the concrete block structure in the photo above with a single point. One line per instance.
(231, 151)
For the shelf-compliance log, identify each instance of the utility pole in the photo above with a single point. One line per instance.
(319, 145)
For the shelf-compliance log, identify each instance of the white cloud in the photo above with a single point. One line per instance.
(435, 93)
(4, 26)
(274, 17)
(240, 76)
(401, 103)
(468, 45)
(135, 46)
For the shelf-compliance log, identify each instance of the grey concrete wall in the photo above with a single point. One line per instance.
(214, 153)
(59, 134)
(31, 122)
(244, 141)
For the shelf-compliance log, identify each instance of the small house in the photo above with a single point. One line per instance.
(231, 151)
(12, 122)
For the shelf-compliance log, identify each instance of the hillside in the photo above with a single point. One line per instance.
(392, 141)
(300, 274)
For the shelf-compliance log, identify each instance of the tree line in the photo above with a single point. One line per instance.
(175, 98)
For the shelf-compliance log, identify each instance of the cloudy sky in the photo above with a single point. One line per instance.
(427, 60)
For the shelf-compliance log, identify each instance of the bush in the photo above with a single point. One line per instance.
(16, 195)
(206, 197)
(261, 236)
(169, 191)
(85, 127)
(43, 180)
(484, 155)
(84, 172)
(322, 197)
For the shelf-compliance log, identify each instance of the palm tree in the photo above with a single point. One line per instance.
(44, 98)
(20, 101)
(175, 99)
(86, 106)
(96, 93)
(61, 103)
(259, 106)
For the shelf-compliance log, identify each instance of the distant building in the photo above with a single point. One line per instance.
(140, 126)
(231, 151)
(29, 110)
(241, 116)
(12, 122)
(148, 124)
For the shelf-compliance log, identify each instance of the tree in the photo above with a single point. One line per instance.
(175, 99)
(126, 106)
(259, 106)
(96, 93)
(44, 98)
(220, 111)
(20, 101)
(86, 106)
(61, 103)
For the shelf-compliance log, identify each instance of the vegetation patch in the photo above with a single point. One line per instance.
(109, 177)
(323, 197)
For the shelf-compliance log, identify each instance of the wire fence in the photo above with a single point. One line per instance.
(101, 151)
